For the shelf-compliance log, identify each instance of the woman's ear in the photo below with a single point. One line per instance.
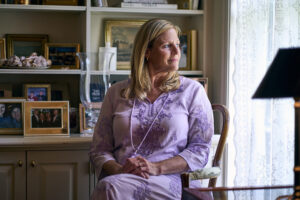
(147, 54)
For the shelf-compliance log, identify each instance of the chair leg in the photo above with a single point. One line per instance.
(185, 180)
(212, 182)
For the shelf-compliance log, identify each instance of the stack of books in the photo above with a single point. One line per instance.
(148, 4)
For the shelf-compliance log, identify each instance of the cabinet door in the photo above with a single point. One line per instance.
(12, 176)
(59, 175)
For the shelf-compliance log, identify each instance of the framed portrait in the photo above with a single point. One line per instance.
(84, 117)
(5, 90)
(61, 2)
(121, 34)
(37, 92)
(11, 116)
(188, 44)
(25, 44)
(2, 48)
(203, 81)
(46, 118)
(62, 55)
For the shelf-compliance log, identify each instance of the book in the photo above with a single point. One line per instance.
(148, 5)
(193, 48)
(146, 1)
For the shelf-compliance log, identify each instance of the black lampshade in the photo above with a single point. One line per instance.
(283, 76)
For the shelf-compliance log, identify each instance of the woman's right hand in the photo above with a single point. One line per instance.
(133, 166)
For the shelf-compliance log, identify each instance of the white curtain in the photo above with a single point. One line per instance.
(262, 130)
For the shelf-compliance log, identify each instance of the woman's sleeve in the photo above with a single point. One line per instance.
(102, 143)
(201, 130)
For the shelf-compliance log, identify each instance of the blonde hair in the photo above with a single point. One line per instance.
(140, 83)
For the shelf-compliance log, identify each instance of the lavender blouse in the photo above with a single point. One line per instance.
(179, 122)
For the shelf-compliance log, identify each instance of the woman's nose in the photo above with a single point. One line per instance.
(175, 49)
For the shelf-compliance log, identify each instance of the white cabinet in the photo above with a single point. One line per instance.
(13, 175)
(57, 175)
(56, 169)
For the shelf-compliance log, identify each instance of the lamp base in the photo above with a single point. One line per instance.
(297, 151)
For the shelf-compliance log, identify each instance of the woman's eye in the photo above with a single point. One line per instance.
(166, 46)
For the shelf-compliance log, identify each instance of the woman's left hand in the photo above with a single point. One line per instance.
(148, 167)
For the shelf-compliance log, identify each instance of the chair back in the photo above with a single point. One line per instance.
(222, 141)
(212, 172)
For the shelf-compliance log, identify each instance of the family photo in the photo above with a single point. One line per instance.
(10, 115)
(46, 118)
(37, 93)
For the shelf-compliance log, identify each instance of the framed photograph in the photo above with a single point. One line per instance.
(11, 116)
(46, 118)
(61, 2)
(84, 117)
(37, 92)
(5, 90)
(62, 55)
(203, 81)
(185, 51)
(2, 48)
(74, 120)
(121, 34)
(188, 44)
(185, 4)
(60, 92)
(25, 44)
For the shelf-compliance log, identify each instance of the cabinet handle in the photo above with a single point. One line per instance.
(20, 163)
(33, 163)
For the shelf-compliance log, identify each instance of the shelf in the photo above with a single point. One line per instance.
(38, 71)
(15, 7)
(127, 72)
(61, 71)
(152, 11)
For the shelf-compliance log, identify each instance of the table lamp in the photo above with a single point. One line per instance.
(283, 80)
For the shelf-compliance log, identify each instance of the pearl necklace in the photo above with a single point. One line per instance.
(148, 131)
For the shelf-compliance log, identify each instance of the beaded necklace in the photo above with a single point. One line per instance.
(148, 131)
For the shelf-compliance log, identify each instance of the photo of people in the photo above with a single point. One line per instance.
(37, 92)
(10, 115)
(46, 118)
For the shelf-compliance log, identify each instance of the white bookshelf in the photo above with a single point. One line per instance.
(84, 25)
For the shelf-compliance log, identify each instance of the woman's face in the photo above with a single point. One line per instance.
(2, 109)
(165, 53)
(16, 114)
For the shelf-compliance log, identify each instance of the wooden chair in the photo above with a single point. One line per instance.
(213, 172)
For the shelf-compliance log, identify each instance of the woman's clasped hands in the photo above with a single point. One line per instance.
(140, 166)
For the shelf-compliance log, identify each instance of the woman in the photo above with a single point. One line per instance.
(152, 127)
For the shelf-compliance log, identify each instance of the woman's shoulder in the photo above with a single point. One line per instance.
(187, 82)
(118, 86)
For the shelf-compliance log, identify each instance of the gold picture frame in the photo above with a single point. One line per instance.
(5, 90)
(57, 111)
(121, 34)
(62, 55)
(25, 44)
(82, 116)
(188, 43)
(61, 2)
(37, 92)
(2, 48)
(185, 4)
(11, 120)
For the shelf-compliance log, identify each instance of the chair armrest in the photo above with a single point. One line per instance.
(205, 173)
